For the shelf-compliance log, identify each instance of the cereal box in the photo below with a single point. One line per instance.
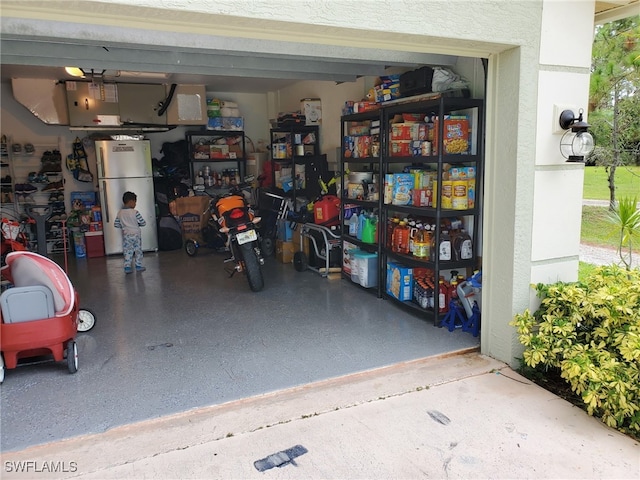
(456, 136)
(402, 189)
(422, 197)
(399, 281)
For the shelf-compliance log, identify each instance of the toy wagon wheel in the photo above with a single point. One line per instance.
(1, 368)
(72, 356)
(86, 320)
(300, 262)
(191, 248)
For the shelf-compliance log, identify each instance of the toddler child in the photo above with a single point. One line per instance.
(130, 221)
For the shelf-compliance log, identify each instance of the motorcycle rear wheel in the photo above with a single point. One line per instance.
(268, 246)
(252, 267)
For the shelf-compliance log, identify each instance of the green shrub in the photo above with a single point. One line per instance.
(590, 331)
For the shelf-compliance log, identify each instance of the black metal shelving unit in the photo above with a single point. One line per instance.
(389, 160)
(219, 150)
(293, 145)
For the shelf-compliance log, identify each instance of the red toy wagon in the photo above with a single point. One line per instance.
(40, 313)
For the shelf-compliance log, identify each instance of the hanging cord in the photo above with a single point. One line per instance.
(167, 101)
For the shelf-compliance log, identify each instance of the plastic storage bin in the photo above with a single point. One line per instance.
(366, 266)
(94, 244)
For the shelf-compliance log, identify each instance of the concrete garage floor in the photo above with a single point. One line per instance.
(182, 335)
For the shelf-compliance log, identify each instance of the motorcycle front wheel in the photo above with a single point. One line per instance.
(252, 267)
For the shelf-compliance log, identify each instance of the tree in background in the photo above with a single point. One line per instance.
(613, 96)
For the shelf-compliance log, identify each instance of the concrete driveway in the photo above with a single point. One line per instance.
(453, 416)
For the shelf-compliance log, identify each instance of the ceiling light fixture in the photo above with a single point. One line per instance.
(84, 72)
(75, 71)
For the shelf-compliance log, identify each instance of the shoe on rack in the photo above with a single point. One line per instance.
(32, 177)
(6, 179)
(53, 186)
(28, 188)
(29, 148)
(16, 147)
(49, 167)
(19, 188)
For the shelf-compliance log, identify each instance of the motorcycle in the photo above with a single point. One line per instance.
(235, 225)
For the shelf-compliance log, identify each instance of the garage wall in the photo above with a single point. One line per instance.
(333, 98)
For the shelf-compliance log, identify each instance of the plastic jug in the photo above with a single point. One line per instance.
(369, 229)
(401, 238)
(353, 225)
(463, 246)
(361, 220)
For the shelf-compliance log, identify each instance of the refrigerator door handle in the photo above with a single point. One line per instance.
(102, 162)
(106, 202)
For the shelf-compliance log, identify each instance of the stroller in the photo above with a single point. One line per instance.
(39, 315)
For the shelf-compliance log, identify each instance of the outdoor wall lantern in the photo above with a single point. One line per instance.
(577, 142)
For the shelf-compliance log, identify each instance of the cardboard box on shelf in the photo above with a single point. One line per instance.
(348, 250)
(192, 220)
(399, 281)
(284, 251)
(311, 108)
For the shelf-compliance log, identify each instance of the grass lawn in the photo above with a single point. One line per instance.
(596, 187)
(596, 227)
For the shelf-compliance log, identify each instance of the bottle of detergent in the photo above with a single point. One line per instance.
(361, 220)
(369, 229)
(463, 246)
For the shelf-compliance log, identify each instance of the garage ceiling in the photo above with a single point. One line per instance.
(35, 46)
(41, 48)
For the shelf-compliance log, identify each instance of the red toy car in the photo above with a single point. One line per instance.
(40, 313)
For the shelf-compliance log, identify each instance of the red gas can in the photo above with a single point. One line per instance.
(326, 211)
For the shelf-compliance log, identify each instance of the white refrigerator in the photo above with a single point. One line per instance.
(126, 166)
